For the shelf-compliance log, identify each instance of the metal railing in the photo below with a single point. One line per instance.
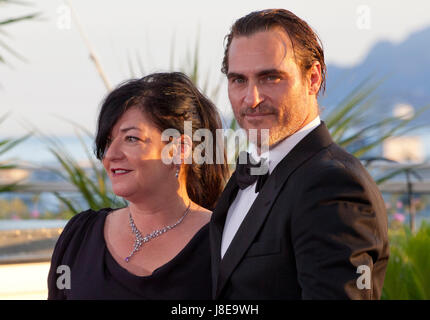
(19, 245)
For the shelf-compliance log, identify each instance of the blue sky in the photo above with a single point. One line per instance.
(60, 81)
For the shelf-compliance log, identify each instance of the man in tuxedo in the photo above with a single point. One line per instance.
(315, 226)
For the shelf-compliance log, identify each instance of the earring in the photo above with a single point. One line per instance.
(177, 173)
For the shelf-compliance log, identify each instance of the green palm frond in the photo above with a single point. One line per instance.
(407, 276)
(348, 123)
(6, 22)
(20, 18)
(7, 144)
(23, 3)
(394, 173)
(91, 182)
(351, 102)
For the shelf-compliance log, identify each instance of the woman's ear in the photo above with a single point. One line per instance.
(182, 150)
(186, 149)
(169, 150)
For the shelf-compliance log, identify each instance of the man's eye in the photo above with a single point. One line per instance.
(238, 80)
(273, 78)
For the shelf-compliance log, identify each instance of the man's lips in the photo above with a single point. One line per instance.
(257, 115)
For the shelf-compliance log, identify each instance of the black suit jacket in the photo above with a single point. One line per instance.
(317, 218)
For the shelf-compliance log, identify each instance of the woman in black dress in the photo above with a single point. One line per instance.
(158, 246)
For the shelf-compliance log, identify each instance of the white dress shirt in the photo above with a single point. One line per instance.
(246, 197)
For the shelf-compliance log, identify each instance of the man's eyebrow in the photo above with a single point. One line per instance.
(129, 128)
(272, 72)
(259, 74)
(234, 75)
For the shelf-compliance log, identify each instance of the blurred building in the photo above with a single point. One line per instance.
(404, 149)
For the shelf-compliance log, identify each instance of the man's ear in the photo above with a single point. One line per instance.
(314, 78)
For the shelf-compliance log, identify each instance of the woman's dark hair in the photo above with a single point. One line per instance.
(169, 99)
(307, 46)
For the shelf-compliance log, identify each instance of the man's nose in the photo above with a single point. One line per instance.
(253, 96)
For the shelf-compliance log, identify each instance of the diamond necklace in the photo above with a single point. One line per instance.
(139, 239)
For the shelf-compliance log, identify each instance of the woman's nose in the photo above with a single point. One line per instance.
(114, 151)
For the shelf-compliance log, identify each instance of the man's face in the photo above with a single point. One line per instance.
(265, 85)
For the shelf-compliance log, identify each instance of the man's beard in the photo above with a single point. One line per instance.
(283, 128)
(261, 108)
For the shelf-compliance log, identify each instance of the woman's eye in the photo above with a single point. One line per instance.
(131, 139)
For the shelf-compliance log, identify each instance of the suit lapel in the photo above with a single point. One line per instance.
(316, 140)
(216, 225)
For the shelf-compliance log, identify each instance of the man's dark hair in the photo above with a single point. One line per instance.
(307, 47)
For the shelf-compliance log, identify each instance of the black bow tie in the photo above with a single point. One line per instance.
(251, 171)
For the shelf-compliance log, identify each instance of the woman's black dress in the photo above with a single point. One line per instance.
(94, 273)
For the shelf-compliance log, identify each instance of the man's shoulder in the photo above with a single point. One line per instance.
(332, 157)
(331, 173)
(331, 165)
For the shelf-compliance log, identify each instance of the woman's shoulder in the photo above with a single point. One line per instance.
(77, 227)
(201, 215)
(200, 219)
(73, 237)
(84, 218)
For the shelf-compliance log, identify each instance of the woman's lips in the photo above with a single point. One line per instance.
(120, 172)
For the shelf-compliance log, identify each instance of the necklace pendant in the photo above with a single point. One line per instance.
(139, 239)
